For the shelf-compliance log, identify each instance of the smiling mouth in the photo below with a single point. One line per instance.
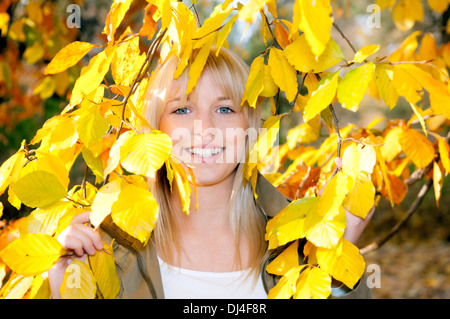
(205, 152)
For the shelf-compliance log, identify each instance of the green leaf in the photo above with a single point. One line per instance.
(39, 189)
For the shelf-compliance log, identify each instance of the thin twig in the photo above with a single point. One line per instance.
(345, 38)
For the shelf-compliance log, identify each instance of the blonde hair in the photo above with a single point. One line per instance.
(230, 73)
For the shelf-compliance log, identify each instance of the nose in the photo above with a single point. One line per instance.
(204, 128)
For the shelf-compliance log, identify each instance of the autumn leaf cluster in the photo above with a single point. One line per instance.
(102, 123)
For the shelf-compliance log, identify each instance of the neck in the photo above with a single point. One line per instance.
(210, 208)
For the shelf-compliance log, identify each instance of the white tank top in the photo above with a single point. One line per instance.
(180, 283)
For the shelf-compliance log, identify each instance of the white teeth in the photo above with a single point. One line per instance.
(205, 152)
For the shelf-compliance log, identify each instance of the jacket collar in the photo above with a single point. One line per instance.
(270, 199)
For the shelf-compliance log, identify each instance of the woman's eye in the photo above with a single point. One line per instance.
(182, 110)
(225, 110)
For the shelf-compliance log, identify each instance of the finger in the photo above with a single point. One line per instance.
(81, 218)
(75, 239)
(93, 235)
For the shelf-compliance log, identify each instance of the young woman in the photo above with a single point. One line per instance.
(218, 250)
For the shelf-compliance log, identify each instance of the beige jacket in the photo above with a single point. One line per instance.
(138, 268)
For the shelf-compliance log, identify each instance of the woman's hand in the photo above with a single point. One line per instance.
(78, 238)
(355, 225)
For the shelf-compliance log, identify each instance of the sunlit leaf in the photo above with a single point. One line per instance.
(32, 254)
(104, 270)
(416, 146)
(39, 189)
(285, 261)
(303, 59)
(144, 154)
(115, 16)
(286, 287)
(283, 73)
(353, 86)
(316, 21)
(365, 52)
(78, 282)
(288, 224)
(322, 96)
(68, 56)
(344, 263)
(135, 211)
(313, 283)
(255, 82)
(103, 201)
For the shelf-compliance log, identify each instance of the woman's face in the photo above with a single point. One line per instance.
(208, 132)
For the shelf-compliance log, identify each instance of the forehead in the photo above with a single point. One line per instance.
(211, 79)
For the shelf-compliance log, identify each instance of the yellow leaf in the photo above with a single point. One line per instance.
(361, 197)
(303, 59)
(285, 261)
(383, 79)
(288, 225)
(197, 66)
(316, 20)
(114, 153)
(32, 254)
(270, 88)
(103, 201)
(115, 16)
(39, 189)
(439, 93)
(406, 13)
(13, 163)
(250, 9)
(144, 154)
(283, 73)
(353, 86)
(92, 75)
(135, 211)
(91, 126)
(391, 146)
(322, 96)
(437, 181)
(255, 82)
(44, 220)
(127, 61)
(104, 270)
(286, 287)
(213, 23)
(418, 114)
(165, 8)
(444, 150)
(325, 227)
(364, 53)
(262, 146)
(416, 147)
(18, 287)
(68, 56)
(223, 33)
(438, 5)
(78, 282)
(344, 263)
(313, 283)
(183, 184)
(407, 85)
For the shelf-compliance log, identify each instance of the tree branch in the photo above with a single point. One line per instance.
(414, 206)
(142, 71)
